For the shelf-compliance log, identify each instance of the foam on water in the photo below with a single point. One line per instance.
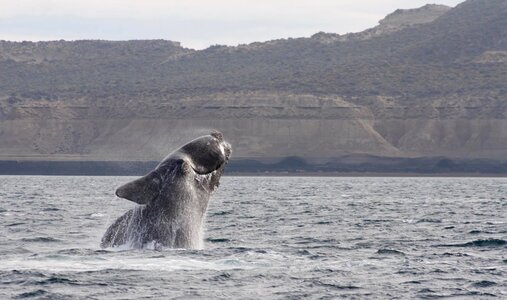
(110, 261)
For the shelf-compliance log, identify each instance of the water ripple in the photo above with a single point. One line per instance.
(266, 237)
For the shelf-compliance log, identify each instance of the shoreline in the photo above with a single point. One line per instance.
(300, 174)
(433, 167)
(362, 174)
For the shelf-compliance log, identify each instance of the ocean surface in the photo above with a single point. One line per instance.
(266, 238)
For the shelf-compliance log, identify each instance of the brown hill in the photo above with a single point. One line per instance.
(424, 82)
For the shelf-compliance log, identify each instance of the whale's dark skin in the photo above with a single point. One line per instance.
(174, 198)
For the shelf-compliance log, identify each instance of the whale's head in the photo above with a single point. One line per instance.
(200, 162)
(204, 159)
(206, 154)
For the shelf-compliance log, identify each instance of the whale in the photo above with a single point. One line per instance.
(172, 199)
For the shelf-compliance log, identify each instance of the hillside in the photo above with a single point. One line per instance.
(427, 82)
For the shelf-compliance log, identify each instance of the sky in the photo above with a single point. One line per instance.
(195, 23)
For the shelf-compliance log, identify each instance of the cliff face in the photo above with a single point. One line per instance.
(425, 82)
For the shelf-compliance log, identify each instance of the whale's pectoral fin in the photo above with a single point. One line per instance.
(142, 190)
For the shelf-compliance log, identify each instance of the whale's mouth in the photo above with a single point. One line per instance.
(207, 181)
(206, 175)
(226, 150)
(198, 172)
(201, 173)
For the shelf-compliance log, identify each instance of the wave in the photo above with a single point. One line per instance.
(50, 209)
(36, 293)
(15, 224)
(484, 283)
(221, 213)
(218, 240)
(389, 252)
(336, 285)
(478, 243)
(429, 220)
(41, 239)
(56, 280)
(83, 251)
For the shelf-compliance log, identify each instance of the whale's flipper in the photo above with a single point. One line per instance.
(142, 190)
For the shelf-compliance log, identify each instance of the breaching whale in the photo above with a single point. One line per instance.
(173, 198)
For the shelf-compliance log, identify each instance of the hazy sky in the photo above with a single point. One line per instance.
(194, 23)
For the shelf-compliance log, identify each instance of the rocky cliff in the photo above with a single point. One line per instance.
(426, 82)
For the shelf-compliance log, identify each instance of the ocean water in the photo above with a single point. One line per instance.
(266, 237)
